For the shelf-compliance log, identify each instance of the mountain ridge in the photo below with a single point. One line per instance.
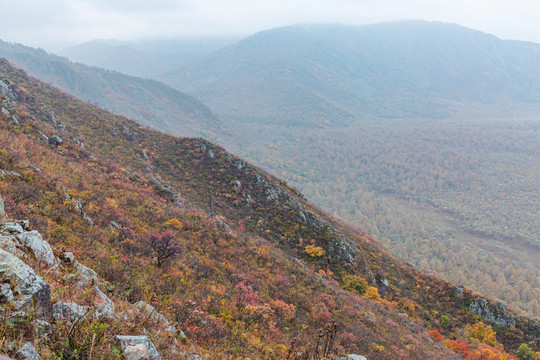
(149, 101)
(339, 74)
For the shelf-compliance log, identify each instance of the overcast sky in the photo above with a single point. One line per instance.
(48, 22)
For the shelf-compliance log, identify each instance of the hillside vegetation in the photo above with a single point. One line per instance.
(235, 255)
(478, 178)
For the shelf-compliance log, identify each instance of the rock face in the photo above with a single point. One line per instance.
(29, 290)
(137, 352)
(41, 249)
(497, 314)
(55, 140)
(104, 305)
(129, 342)
(28, 352)
(69, 312)
(2, 211)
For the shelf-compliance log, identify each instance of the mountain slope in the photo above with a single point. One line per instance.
(260, 266)
(150, 102)
(145, 59)
(336, 75)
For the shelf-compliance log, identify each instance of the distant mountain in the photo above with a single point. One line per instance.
(144, 58)
(150, 102)
(336, 75)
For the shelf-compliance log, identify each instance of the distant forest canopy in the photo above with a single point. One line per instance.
(477, 179)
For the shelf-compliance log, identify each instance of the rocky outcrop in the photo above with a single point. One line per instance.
(69, 312)
(55, 140)
(28, 352)
(495, 313)
(137, 346)
(165, 190)
(40, 248)
(2, 211)
(28, 289)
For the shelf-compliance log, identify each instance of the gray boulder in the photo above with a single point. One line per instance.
(356, 357)
(69, 312)
(41, 249)
(2, 211)
(152, 314)
(126, 341)
(55, 140)
(12, 228)
(28, 352)
(104, 305)
(29, 290)
(137, 352)
(6, 295)
(87, 276)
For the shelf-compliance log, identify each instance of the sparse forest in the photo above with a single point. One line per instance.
(459, 198)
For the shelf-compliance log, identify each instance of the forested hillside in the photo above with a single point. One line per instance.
(150, 102)
(236, 256)
(144, 58)
(456, 197)
(333, 75)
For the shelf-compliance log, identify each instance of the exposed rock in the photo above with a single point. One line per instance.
(496, 314)
(10, 244)
(137, 352)
(24, 223)
(237, 185)
(43, 137)
(145, 155)
(273, 193)
(342, 251)
(66, 257)
(12, 173)
(28, 352)
(14, 122)
(5, 111)
(310, 219)
(6, 295)
(41, 327)
(88, 219)
(79, 143)
(29, 289)
(55, 140)
(2, 211)
(41, 249)
(69, 312)
(355, 357)
(248, 198)
(104, 305)
(126, 341)
(165, 190)
(35, 168)
(4, 88)
(152, 314)
(87, 277)
(12, 228)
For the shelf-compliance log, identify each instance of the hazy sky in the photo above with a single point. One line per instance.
(46, 22)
